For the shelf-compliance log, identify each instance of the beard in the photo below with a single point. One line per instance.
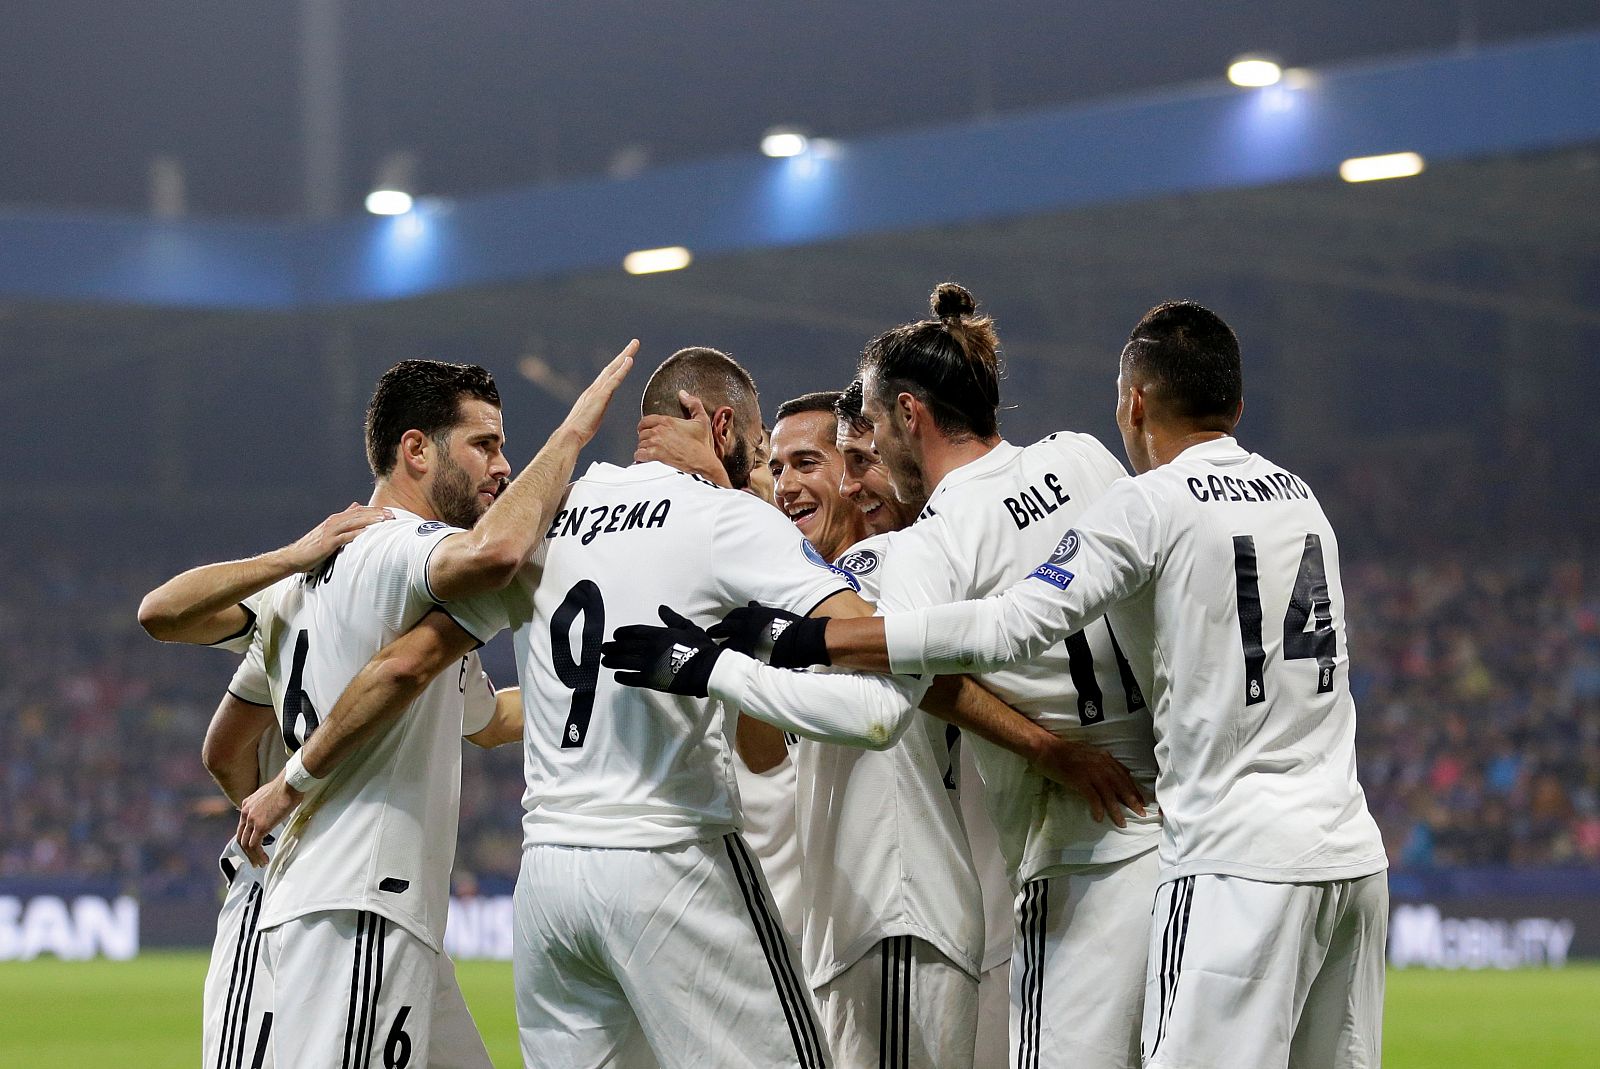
(454, 495)
(737, 462)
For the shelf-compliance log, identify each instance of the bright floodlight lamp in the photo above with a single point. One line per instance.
(650, 261)
(1253, 72)
(783, 141)
(396, 178)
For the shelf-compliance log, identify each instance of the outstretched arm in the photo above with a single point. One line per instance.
(201, 606)
(488, 557)
(378, 694)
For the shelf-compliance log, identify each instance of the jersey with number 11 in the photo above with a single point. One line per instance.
(615, 766)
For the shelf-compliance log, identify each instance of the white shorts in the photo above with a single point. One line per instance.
(1246, 973)
(354, 990)
(236, 1005)
(1078, 968)
(903, 1005)
(681, 944)
(994, 1017)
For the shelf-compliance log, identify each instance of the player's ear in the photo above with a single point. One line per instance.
(910, 411)
(722, 430)
(414, 452)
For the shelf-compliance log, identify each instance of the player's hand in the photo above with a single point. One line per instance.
(590, 408)
(331, 535)
(1104, 782)
(263, 811)
(676, 658)
(779, 638)
(683, 443)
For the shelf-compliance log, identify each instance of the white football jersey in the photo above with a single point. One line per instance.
(615, 766)
(987, 525)
(881, 838)
(379, 833)
(1221, 575)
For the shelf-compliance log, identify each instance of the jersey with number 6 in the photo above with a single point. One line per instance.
(1221, 576)
(379, 833)
(615, 766)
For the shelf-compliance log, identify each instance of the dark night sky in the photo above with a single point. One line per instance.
(492, 93)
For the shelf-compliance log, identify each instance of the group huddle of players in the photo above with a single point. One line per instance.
(1149, 674)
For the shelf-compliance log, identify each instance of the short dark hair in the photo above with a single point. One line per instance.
(951, 363)
(847, 409)
(710, 374)
(420, 395)
(816, 401)
(1192, 358)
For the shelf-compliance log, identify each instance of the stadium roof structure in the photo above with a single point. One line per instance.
(1427, 307)
(1530, 96)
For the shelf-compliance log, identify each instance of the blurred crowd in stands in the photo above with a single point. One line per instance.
(1476, 672)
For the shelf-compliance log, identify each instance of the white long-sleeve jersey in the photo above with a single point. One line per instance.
(1220, 574)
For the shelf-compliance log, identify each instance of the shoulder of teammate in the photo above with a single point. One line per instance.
(1117, 543)
(864, 563)
(1087, 450)
(759, 555)
(928, 563)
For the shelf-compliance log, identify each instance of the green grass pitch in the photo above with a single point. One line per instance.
(145, 1014)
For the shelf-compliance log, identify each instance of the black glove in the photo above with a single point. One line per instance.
(780, 638)
(677, 658)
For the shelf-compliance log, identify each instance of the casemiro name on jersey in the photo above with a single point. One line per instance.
(1275, 486)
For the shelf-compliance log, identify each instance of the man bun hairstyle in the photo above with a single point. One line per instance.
(817, 401)
(1191, 358)
(420, 395)
(951, 363)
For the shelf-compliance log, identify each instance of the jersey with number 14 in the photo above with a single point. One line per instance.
(615, 766)
(1221, 576)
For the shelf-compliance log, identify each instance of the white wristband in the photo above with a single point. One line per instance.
(296, 776)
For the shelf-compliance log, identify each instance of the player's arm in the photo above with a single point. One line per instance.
(505, 724)
(488, 557)
(681, 658)
(1103, 781)
(202, 605)
(1115, 554)
(380, 692)
(229, 750)
(760, 745)
(685, 443)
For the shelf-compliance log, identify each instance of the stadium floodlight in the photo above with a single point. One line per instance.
(1373, 168)
(649, 261)
(782, 141)
(1253, 72)
(388, 202)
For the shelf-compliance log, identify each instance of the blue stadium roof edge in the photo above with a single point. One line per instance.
(1528, 96)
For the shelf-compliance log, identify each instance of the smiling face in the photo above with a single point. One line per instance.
(471, 467)
(891, 436)
(866, 482)
(807, 470)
